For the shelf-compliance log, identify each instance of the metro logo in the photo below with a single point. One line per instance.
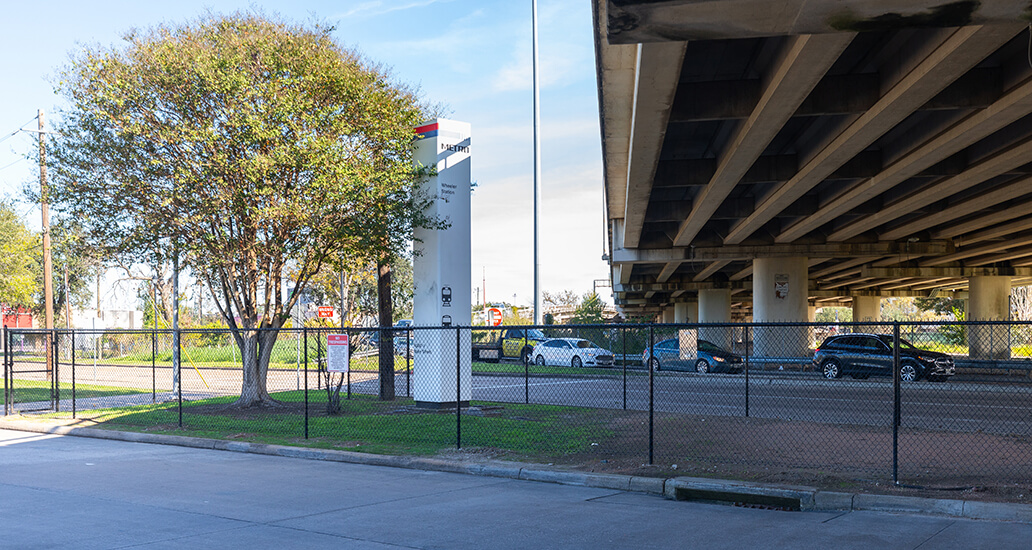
(427, 131)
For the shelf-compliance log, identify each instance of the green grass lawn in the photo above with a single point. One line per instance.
(369, 425)
(29, 391)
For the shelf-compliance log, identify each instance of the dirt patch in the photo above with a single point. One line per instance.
(847, 458)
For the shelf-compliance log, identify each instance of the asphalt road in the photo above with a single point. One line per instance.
(965, 406)
(72, 492)
(1000, 407)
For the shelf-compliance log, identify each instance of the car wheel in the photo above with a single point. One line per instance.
(702, 366)
(654, 363)
(831, 369)
(525, 355)
(540, 360)
(575, 362)
(908, 372)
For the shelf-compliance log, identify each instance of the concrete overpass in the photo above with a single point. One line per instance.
(765, 157)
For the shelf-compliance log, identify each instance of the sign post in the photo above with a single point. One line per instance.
(441, 269)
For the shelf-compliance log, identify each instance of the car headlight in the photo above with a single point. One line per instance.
(720, 359)
(926, 358)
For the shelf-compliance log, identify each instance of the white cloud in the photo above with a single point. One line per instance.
(557, 66)
(380, 7)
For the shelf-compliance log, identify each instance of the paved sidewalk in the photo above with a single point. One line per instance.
(75, 492)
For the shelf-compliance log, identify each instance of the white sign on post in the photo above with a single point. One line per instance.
(442, 268)
(337, 352)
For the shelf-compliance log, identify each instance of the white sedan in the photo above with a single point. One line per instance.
(575, 352)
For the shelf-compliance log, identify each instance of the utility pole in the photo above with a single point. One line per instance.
(537, 171)
(48, 282)
(68, 300)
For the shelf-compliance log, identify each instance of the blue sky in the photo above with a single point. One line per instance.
(472, 56)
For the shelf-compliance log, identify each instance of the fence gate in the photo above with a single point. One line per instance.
(30, 384)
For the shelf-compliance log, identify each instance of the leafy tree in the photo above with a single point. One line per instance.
(72, 257)
(245, 147)
(834, 315)
(564, 298)
(19, 252)
(360, 287)
(1021, 303)
(591, 311)
(942, 306)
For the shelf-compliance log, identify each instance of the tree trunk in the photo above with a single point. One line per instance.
(386, 309)
(255, 352)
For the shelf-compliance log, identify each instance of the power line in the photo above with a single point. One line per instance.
(12, 164)
(20, 128)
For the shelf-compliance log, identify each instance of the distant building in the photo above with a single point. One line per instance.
(108, 319)
(18, 317)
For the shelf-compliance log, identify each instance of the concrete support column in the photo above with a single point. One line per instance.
(715, 307)
(811, 332)
(989, 300)
(780, 296)
(686, 312)
(866, 308)
(668, 314)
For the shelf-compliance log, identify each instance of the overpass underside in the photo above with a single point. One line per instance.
(762, 158)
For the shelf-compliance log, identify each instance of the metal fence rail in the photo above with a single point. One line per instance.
(745, 398)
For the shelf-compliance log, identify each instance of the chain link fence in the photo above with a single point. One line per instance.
(929, 404)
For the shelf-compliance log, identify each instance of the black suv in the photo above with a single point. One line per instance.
(863, 355)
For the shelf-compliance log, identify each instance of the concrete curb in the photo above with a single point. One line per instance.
(677, 488)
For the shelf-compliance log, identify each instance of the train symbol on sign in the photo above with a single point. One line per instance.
(446, 296)
(446, 320)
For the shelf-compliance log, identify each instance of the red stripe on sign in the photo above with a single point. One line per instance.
(427, 128)
(338, 338)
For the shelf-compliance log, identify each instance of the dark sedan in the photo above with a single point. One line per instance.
(865, 355)
(707, 357)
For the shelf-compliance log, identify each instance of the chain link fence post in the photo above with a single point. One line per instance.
(745, 338)
(73, 375)
(458, 387)
(623, 333)
(6, 348)
(327, 364)
(895, 402)
(304, 333)
(55, 361)
(179, 373)
(153, 362)
(526, 367)
(651, 402)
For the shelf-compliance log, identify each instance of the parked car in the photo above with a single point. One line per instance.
(708, 357)
(865, 355)
(575, 352)
(492, 345)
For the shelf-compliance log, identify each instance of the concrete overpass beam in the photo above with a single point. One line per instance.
(989, 301)
(800, 67)
(780, 295)
(657, 74)
(964, 49)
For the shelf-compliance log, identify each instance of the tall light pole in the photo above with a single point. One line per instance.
(537, 171)
(48, 279)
